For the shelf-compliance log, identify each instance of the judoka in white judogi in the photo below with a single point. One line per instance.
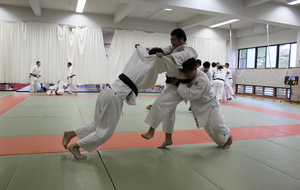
(164, 107)
(142, 69)
(205, 107)
(57, 89)
(218, 82)
(34, 75)
(229, 93)
(72, 78)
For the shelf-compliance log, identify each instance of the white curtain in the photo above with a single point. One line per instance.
(22, 44)
(212, 50)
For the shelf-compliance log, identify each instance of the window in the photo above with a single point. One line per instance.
(271, 56)
(242, 58)
(293, 55)
(240, 88)
(281, 93)
(248, 90)
(250, 58)
(268, 91)
(284, 56)
(258, 90)
(261, 57)
(274, 56)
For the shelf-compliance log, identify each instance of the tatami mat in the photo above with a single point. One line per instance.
(264, 155)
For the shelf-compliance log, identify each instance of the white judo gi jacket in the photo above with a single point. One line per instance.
(201, 96)
(205, 107)
(143, 70)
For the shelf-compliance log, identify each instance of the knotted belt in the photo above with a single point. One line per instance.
(129, 83)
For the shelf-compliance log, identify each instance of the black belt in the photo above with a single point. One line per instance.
(169, 80)
(72, 76)
(229, 78)
(35, 76)
(219, 79)
(129, 83)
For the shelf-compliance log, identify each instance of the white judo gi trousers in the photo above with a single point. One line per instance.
(229, 89)
(107, 115)
(215, 126)
(73, 84)
(33, 84)
(163, 109)
(218, 88)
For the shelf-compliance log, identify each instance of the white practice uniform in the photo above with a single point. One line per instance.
(58, 88)
(52, 89)
(213, 71)
(228, 83)
(164, 107)
(143, 70)
(34, 78)
(218, 83)
(72, 78)
(208, 73)
(205, 107)
(61, 87)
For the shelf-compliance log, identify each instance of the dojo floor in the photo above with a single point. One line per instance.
(265, 154)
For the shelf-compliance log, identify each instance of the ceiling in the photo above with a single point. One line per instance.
(186, 13)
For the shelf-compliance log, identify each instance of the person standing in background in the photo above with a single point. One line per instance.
(72, 77)
(34, 75)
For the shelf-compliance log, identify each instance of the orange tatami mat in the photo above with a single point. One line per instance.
(52, 144)
(264, 110)
(10, 101)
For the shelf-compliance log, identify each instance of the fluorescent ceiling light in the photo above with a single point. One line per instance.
(293, 2)
(223, 23)
(159, 13)
(80, 6)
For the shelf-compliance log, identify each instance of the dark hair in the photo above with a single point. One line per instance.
(220, 67)
(69, 63)
(227, 64)
(179, 33)
(44, 88)
(206, 64)
(213, 64)
(155, 50)
(37, 62)
(189, 65)
(199, 62)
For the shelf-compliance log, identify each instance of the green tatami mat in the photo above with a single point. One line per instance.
(57, 172)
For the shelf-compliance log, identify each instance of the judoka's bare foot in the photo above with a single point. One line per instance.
(74, 149)
(68, 135)
(149, 107)
(228, 143)
(234, 96)
(166, 143)
(149, 134)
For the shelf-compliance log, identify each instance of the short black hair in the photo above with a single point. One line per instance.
(37, 62)
(155, 50)
(189, 65)
(179, 33)
(69, 63)
(44, 88)
(213, 64)
(199, 61)
(206, 64)
(227, 64)
(220, 67)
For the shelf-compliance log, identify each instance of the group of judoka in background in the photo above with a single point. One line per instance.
(184, 82)
(59, 87)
